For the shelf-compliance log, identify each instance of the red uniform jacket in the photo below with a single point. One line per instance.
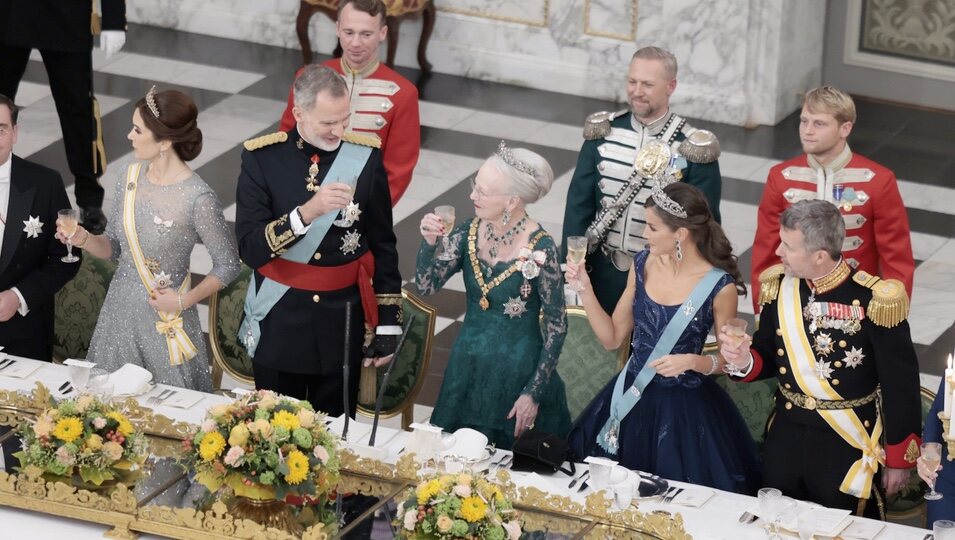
(877, 226)
(383, 104)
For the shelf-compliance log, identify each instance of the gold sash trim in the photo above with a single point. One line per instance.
(170, 324)
(845, 422)
(810, 403)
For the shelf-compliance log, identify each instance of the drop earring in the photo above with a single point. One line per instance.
(506, 217)
(679, 251)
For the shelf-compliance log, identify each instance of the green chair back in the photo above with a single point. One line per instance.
(585, 365)
(908, 505)
(411, 366)
(77, 306)
(754, 401)
(225, 315)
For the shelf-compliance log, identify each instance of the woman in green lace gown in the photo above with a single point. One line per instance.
(501, 377)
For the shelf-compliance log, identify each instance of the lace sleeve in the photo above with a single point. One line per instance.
(216, 236)
(550, 288)
(432, 273)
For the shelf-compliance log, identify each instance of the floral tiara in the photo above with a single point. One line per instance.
(505, 154)
(151, 102)
(667, 204)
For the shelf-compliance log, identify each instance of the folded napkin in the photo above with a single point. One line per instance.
(467, 444)
(130, 380)
(693, 497)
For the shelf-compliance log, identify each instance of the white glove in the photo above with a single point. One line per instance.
(111, 41)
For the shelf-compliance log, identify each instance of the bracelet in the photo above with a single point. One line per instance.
(714, 362)
(85, 240)
(180, 303)
(731, 369)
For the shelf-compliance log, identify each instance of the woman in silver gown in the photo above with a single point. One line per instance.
(161, 210)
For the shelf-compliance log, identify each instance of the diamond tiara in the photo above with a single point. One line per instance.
(151, 102)
(505, 154)
(667, 204)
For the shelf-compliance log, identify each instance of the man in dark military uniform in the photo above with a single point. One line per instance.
(838, 342)
(606, 198)
(62, 30)
(316, 246)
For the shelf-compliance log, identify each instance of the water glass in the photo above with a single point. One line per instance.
(943, 529)
(806, 522)
(101, 386)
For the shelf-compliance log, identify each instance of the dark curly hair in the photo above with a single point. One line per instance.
(707, 234)
(176, 122)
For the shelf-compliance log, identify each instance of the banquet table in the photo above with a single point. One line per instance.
(717, 518)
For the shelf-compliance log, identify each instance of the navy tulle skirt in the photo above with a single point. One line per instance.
(684, 428)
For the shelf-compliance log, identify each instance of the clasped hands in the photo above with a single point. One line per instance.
(329, 198)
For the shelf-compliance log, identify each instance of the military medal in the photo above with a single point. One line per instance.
(484, 303)
(515, 307)
(153, 265)
(350, 242)
(163, 280)
(526, 289)
(311, 183)
(611, 437)
(823, 369)
(854, 358)
(824, 344)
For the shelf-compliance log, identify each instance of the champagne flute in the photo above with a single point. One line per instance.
(446, 213)
(932, 457)
(69, 219)
(343, 220)
(576, 253)
(736, 329)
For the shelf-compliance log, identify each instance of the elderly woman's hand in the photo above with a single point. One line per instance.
(525, 411)
(431, 228)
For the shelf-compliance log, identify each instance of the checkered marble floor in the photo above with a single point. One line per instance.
(241, 88)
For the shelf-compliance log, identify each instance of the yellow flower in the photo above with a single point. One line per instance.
(125, 428)
(285, 419)
(239, 435)
(94, 442)
(83, 402)
(465, 479)
(473, 509)
(68, 429)
(297, 467)
(444, 523)
(262, 427)
(211, 446)
(427, 490)
(306, 418)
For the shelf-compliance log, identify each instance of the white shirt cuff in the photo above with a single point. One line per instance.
(23, 303)
(388, 330)
(749, 368)
(295, 221)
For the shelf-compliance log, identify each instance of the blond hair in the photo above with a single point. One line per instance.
(659, 54)
(831, 100)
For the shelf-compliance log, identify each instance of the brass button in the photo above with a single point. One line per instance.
(788, 386)
(810, 403)
(272, 255)
(837, 363)
(842, 343)
(856, 303)
(780, 352)
(866, 423)
(835, 382)
(782, 370)
(779, 331)
(318, 256)
(789, 405)
(316, 298)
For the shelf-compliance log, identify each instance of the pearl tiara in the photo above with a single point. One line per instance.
(151, 102)
(667, 204)
(505, 154)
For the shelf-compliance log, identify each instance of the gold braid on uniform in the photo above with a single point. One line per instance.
(277, 242)
(364, 139)
(387, 299)
(890, 303)
(769, 283)
(265, 140)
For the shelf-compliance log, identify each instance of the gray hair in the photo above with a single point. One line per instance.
(820, 223)
(312, 81)
(529, 187)
(661, 54)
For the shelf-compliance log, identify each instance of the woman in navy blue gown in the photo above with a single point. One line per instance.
(676, 421)
(944, 477)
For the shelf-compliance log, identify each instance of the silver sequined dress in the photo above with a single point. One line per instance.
(170, 221)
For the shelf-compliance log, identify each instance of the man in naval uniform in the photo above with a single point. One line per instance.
(63, 33)
(597, 200)
(384, 104)
(866, 193)
(313, 220)
(837, 340)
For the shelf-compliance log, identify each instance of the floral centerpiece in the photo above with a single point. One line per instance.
(83, 436)
(265, 446)
(457, 506)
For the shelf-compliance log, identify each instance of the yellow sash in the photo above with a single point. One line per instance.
(169, 324)
(858, 480)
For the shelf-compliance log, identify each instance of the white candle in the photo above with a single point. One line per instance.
(948, 388)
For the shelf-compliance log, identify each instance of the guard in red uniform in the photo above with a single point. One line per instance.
(383, 103)
(877, 227)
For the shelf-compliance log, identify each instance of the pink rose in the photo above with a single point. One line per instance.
(233, 457)
(208, 425)
(64, 456)
(99, 422)
(462, 491)
(321, 453)
(513, 529)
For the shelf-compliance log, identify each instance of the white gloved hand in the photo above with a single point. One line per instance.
(111, 41)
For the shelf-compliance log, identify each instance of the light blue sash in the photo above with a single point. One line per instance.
(346, 168)
(622, 402)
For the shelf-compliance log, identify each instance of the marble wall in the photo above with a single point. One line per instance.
(743, 62)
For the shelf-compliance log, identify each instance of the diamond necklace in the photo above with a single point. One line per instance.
(506, 239)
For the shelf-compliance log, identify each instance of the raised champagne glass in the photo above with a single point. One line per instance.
(69, 219)
(446, 214)
(932, 457)
(343, 220)
(576, 253)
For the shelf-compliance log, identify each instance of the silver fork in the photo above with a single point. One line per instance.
(156, 399)
(668, 498)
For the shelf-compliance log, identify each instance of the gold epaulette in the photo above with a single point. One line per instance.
(890, 303)
(265, 140)
(700, 146)
(363, 139)
(597, 125)
(769, 283)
